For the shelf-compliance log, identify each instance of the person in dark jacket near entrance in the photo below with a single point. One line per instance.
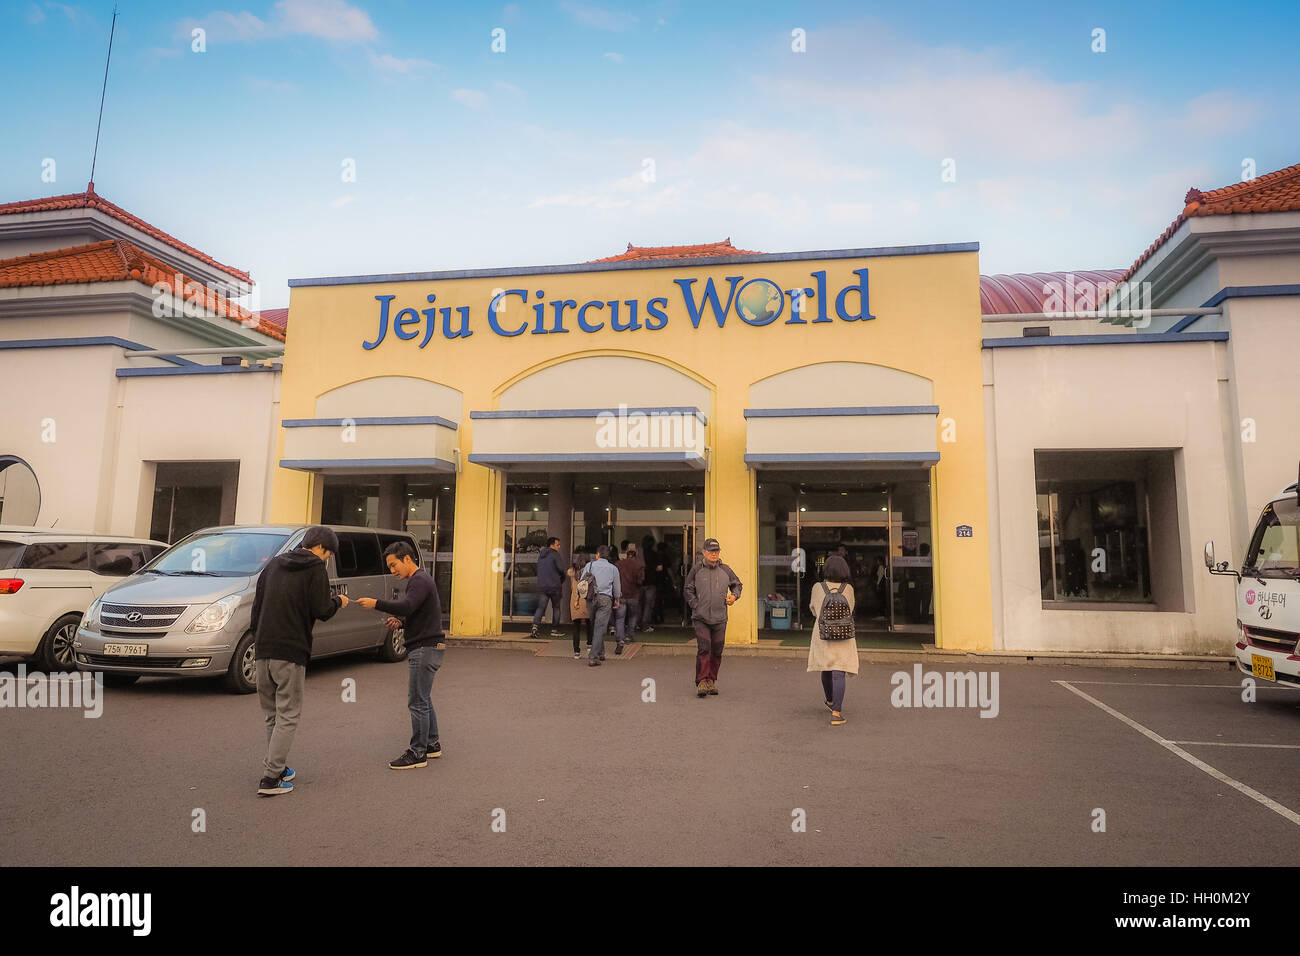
(293, 593)
(711, 588)
(419, 613)
(550, 585)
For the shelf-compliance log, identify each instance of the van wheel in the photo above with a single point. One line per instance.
(120, 680)
(242, 676)
(55, 650)
(394, 647)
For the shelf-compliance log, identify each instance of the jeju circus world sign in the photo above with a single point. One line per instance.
(755, 301)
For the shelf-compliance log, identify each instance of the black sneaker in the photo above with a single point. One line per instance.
(619, 649)
(555, 633)
(534, 633)
(273, 786)
(408, 761)
(434, 751)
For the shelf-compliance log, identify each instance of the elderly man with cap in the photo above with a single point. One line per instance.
(711, 588)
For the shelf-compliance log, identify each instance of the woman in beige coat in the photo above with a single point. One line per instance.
(578, 611)
(833, 659)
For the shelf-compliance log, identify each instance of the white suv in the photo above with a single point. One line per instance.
(47, 580)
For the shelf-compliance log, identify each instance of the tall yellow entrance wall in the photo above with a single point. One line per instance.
(926, 322)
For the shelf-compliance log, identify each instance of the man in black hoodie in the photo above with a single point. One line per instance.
(293, 593)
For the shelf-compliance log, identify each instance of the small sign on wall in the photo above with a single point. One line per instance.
(965, 531)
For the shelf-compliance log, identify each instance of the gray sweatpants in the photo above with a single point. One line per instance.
(279, 689)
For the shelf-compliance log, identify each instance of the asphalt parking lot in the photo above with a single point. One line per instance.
(584, 771)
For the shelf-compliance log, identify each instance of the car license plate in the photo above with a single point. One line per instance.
(1262, 666)
(129, 650)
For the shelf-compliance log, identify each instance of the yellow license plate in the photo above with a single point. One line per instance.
(1262, 666)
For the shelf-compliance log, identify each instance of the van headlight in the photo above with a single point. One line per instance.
(90, 620)
(215, 616)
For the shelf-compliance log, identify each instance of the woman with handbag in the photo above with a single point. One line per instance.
(578, 612)
(833, 649)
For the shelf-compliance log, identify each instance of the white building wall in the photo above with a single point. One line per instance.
(1107, 397)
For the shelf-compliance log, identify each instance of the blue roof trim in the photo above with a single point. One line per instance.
(1234, 292)
(1138, 338)
(601, 456)
(591, 412)
(196, 370)
(311, 464)
(395, 420)
(81, 341)
(940, 248)
(842, 410)
(796, 458)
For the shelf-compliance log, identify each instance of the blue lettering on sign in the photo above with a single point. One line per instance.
(755, 300)
(965, 531)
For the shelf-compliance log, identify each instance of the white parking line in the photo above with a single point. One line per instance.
(1224, 743)
(1124, 683)
(1199, 764)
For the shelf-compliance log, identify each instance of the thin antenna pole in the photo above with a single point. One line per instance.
(104, 90)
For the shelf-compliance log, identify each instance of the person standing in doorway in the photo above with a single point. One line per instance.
(293, 593)
(711, 588)
(419, 612)
(578, 611)
(650, 590)
(631, 575)
(603, 580)
(832, 659)
(550, 582)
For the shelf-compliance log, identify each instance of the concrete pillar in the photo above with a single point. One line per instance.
(560, 510)
(392, 502)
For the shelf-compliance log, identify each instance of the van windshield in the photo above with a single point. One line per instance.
(221, 554)
(1275, 546)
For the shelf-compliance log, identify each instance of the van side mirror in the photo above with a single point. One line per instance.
(1217, 568)
(1209, 555)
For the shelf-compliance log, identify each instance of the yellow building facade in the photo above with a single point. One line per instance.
(789, 405)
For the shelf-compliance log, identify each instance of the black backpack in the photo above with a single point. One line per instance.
(835, 623)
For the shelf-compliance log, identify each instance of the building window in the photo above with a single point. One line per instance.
(1108, 529)
(192, 495)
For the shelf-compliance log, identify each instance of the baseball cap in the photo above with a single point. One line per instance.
(711, 544)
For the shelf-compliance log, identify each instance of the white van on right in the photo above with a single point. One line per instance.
(1268, 593)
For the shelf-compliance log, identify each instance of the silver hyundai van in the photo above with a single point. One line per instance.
(186, 613)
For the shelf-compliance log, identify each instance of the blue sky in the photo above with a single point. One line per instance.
(657, 123)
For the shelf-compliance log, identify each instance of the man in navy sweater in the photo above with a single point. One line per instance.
(420, 613)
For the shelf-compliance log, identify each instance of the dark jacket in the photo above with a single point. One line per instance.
(706, 592)
(293, 593)
(631, 572)
(420, 610)
(550, 570)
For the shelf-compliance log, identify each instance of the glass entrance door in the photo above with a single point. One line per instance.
(877, 527)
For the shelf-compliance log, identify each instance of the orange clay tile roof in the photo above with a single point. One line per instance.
(1029, 292)
(723, 248)
(91, 200)
(277, 317)
(116, 260)
(1273, 192)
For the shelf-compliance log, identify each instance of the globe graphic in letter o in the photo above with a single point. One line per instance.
(759, 301)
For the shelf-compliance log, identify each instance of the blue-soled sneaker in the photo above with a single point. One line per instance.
(288, 773)
(408, 761)
(271, 787)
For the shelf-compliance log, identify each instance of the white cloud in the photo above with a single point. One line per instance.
(510, 88)
(847, 212)
(326, 19)
(34, 13)
(590, 15)
(474, 99)
(342, 201)
(386, 61)
(615, 57)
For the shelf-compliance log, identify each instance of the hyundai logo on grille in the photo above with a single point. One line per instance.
(135, 616)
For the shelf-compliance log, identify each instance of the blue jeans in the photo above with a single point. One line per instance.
(423, 663)
(625, 617)
(551, 597)
(601, 606)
